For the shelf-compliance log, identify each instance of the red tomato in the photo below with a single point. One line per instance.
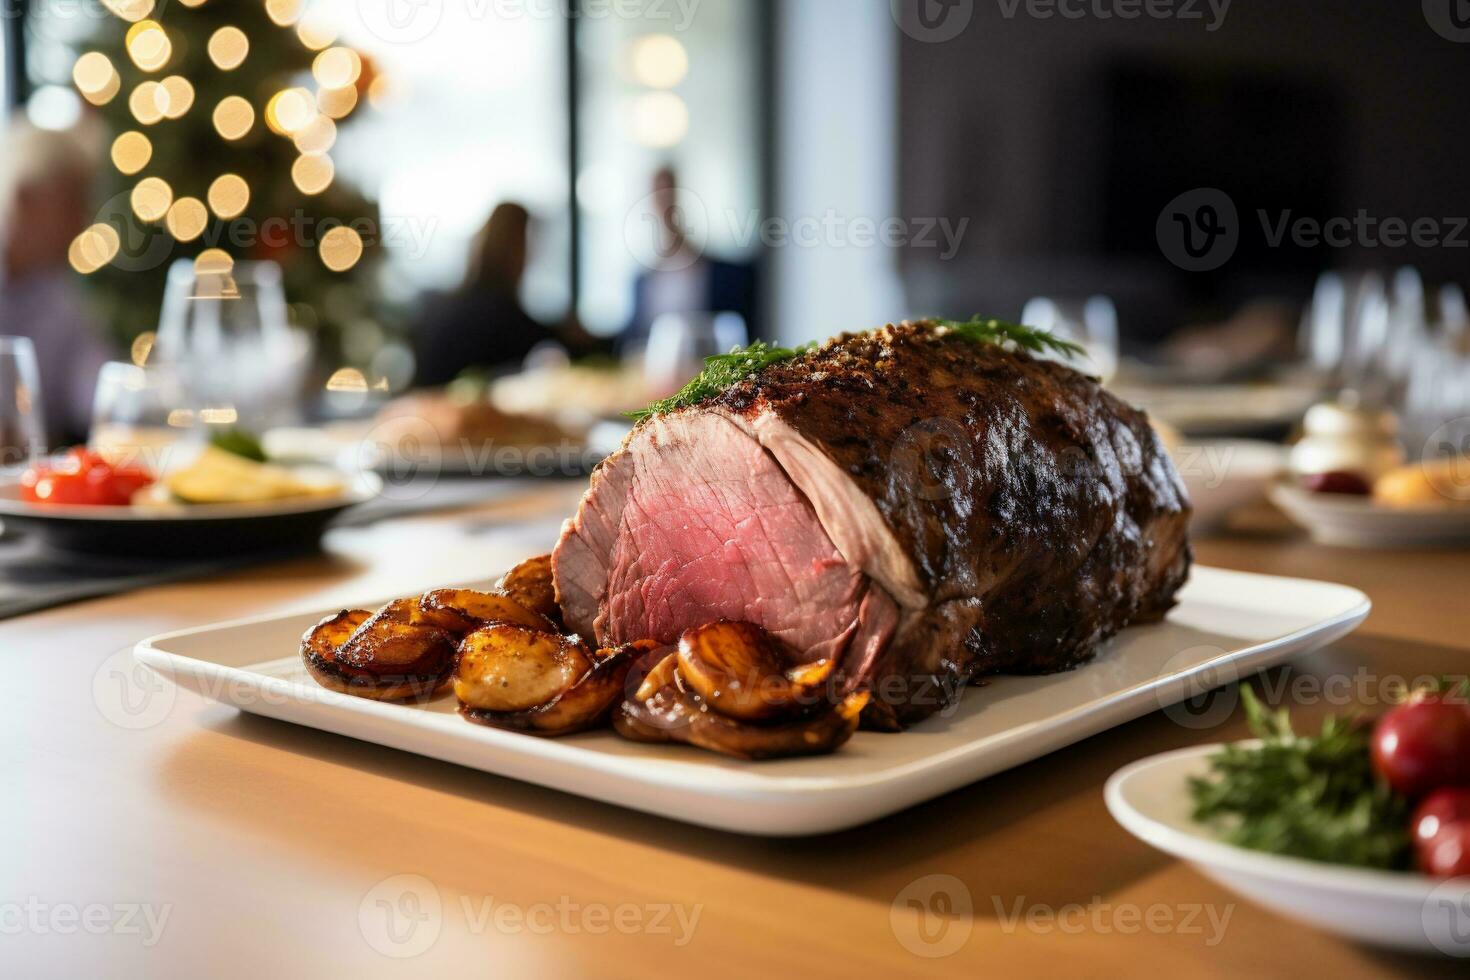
(1338, 481)
(82, 477)
(1441, 809)
(1423, 745)
(1448, 855)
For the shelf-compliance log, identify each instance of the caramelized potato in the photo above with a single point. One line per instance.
(582, 706)
(470, 610)
(388, 660)
(529, 583)
(503, 667)
(739, 670)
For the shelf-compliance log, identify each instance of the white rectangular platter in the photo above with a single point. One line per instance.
(1227, 625)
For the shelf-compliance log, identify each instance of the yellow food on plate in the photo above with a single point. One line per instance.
(219, 477)
(1433, 482)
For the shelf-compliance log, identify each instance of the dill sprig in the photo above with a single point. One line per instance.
(985, 330)
(721, 371)
(724, 370)
(1308, 796)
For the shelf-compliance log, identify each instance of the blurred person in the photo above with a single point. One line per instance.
(46, 180)
(482, 325)
(685, 280)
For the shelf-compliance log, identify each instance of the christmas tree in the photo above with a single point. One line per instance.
(220, 119)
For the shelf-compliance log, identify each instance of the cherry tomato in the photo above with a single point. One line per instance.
(1441, 809)
(1448, 855)
(1423, 745)
(83, 477)
(1338, 481)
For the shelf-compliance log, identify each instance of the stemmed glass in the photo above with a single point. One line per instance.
(138, 414)
(225, 330)
(1092, 322)
(22, 425)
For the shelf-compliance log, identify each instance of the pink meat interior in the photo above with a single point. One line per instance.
(712, 528)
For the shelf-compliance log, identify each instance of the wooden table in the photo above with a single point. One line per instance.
(262, 849)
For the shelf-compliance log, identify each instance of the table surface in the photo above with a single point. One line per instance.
(176, 837)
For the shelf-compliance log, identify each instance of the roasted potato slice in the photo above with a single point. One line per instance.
(389, 660)
(469, 610)
(582, 706)
(529, 583)
(504, 667)
(740, 670)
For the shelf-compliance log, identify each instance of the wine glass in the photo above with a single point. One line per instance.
(22, 424)
(225, 330)
(678, 343)
(139, 414)
(1092, 323)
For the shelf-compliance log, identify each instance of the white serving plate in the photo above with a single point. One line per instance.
(1227, 624)
(1412, 912)
(1346, 521)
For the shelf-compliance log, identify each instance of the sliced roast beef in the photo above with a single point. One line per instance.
(925, 508)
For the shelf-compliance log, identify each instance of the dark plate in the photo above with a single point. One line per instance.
(214, 531)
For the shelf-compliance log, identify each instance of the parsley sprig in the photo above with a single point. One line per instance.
(1308, 796)
(986, 330)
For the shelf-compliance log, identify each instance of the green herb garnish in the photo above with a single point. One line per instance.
(722, 371)
(1307, 796)
(240, 443)
(981, 330)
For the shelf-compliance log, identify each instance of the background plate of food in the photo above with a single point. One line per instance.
(218, 504)
(1417, 505)
(1359, 830)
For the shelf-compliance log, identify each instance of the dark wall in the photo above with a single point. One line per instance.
(1062, 140)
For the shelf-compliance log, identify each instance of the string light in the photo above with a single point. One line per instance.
(340, 249)
(130, 10)
(147, 102)
(93, 248)
(180, 96)
(337, 102)
(228, 47)
(233, 117)
(229, 196)
(131, 152)
(148, 45)
(151, 198)
(289, 111)
(337, 67)
(186, 219)
(213, 261)
(312, 173)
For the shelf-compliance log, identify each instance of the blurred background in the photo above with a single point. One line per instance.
(1242, 209)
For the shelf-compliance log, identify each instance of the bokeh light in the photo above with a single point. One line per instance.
(337, 102)
(659, 61)
(148, 45)
(228, 47)
(312, 173)
(340, 248)
(229, 196)
(151, 198)
(187, 219)
(130, 10)
(233, 117)
(659, 119)
(93, 248)
(179, 94)
(147, 102)
(337, 67)
(131, 152)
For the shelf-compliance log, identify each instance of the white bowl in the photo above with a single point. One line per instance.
(1223, 474)
(1399, 910)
